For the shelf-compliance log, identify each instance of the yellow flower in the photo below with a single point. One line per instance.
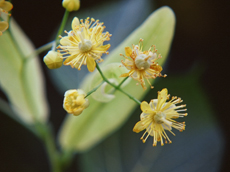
(53, 60)
(75, 101)
(71, 5)
(84, 44)
(5, 6)
(142, 63)
(158, 115)
(3, 27)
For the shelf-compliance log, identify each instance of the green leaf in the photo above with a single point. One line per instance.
(100, 119)
(21, 79)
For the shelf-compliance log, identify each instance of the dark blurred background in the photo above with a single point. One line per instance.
(201, 37)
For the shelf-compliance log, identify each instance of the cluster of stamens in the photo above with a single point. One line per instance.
(85, 40)
(159, 115)
(5, 7)
(142, 64)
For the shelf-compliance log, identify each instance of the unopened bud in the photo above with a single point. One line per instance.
(53, 60)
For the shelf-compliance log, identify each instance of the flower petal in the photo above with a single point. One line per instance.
(65, 41)
(91, 64)
(75, 23)
(145, 107)
(124, 75)
(162, 97)
(138, 127)
(128, 51)
(101, 49)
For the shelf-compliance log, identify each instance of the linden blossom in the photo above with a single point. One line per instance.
(142, 64)
(84, 44)
(158, 115)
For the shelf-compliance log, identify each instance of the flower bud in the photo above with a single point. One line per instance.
(75, 101)
(53, 60)
(71, 5)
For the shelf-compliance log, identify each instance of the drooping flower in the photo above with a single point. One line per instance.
(3, 27)
(84, 43)
(53, 60)
(142, 64)
(71, 5)
(158, 116)
(75, 101)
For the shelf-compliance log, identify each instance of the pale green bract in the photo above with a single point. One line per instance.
(23, 85)
(104, 93)
(100, 119)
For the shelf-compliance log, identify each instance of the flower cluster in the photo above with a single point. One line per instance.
(5, 7)
(84, 43)
(142, 64)
(158, 115)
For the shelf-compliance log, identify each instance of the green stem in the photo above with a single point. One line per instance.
(40, 50)
(93, 90)
(122, 82)
(66, 158)
(46, 135)
(116, 87)
(64, 20)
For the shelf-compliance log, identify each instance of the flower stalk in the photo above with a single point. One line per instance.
(61, 28)
(93, 90)
(117, 87)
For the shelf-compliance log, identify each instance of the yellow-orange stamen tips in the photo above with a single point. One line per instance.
(158, 116)
(5, 7)
(142, 64)
(83, 45)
